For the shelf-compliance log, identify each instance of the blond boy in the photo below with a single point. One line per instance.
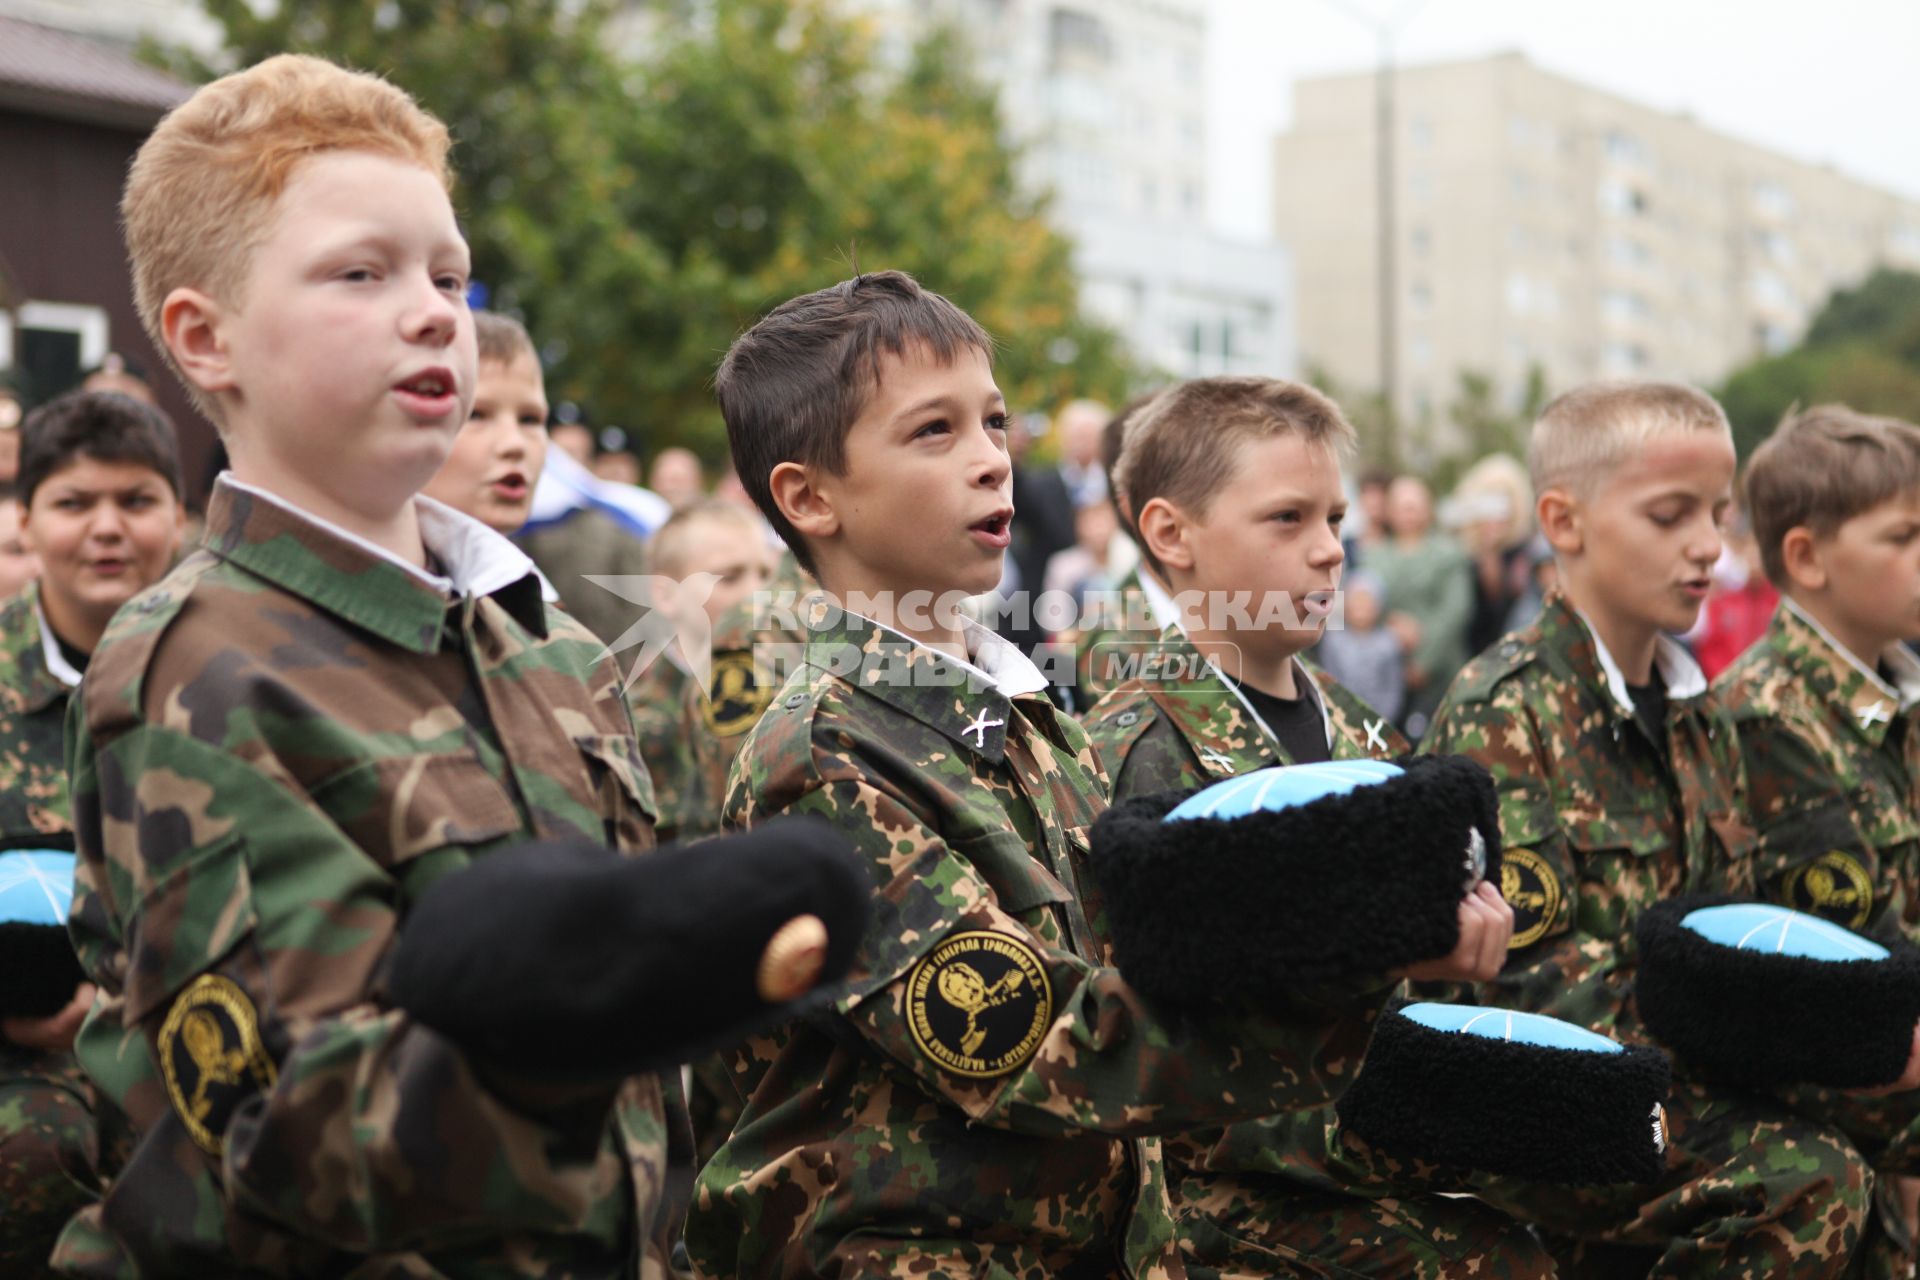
(1620, 785)
(497, 458)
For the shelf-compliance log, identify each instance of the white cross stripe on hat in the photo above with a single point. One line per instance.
(36, 886)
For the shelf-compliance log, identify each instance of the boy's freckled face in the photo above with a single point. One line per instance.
(497, 457)
(1872, 563)
(1274, 531)
(350, 348)
(1651, 530)
(925, 499)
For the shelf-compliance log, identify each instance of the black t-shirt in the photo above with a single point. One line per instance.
(1297, 722)
(1650, 706)
(76, 658)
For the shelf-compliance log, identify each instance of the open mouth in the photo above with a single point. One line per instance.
(429, 392)
(996, 530)
(512, 486)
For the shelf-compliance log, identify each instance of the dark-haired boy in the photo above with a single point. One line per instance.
(1620, 785)
(100, 480)
(1238, 503)
(1824, 702)
(890, 1135)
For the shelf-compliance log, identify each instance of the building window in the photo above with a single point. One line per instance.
(1421, 240)
(1420, 296)
(1078, 36)
(1420, 133)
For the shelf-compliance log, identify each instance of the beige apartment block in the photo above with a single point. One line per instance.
(1542, 221)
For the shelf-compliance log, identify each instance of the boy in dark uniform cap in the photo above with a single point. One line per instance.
(1235, 485)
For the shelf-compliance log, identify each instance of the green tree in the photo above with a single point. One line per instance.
(641, 212)
(1862, 350)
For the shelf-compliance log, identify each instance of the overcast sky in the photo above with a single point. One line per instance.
(1836, 81)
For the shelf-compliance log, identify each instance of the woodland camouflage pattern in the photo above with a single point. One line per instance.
(1598, 821)
(1290, 1193)
(279, 746)
(50, 1154)
(33, 708)
(1832, 762)
(655, 696)
(856, 1153)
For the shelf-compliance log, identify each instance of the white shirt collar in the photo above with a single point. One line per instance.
(1165, 612)
(1680, 674)
(57, 663)
(1905, 689)
(998, 663)
(479, 561)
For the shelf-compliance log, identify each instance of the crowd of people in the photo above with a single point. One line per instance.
(334, 938)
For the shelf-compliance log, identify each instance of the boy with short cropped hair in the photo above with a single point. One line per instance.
(1620, 785)
(1236, 490)
(889, 1135)
(497, 458)
(718, 555)
(1824, 704)
(100, 476)
(343, 699)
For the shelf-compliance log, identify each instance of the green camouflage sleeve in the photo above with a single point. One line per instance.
(48, 1150)
(240, 932)
(1564, 959)
(1093, 1054)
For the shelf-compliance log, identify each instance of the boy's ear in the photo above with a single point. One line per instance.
(1560, 522)
(1800, 557)
(798, 495)
(1163, 532)
(191, 324)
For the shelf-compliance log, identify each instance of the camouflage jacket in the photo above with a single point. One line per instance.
(981, 1098)
(1598, 820)
(277, 748)
(33, 712)
(1833, 775)
(1114, 626)
(53, 1153)
(655, 697)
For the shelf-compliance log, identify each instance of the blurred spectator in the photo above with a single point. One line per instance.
(1362, 654)
(18, 566)
(1045, 497)
(1080, 425)
(574, 439)
(119, 374)
(617, 466)
(1370, 530)
(581, 525)
(677, 476)
(1429, 596)
(10, 415)
(1492, 507)
(1542, 572)
(1741, 603)
(1087, 565)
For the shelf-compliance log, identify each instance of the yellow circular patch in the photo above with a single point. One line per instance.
(979, 1004)
(1834, 886)
(736, 695)
(1533, 891)
(212, 1058)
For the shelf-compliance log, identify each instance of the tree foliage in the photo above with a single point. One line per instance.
(1862, 350)
(640, 211)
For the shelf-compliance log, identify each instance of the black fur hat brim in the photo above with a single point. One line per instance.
(1251, 909)
(1471, 1103)
(1757, 1019)
(38, 970)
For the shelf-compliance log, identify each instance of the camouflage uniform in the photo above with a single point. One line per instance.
(655, 697)
(1599, 821)
(1264, 1196)
(1833, 782)
(1114, 628)
(49, 1142)
(887, 1137)
(278, 748)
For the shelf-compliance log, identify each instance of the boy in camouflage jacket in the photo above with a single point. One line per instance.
(1824, 703)
(984, 1097)
(1258, 1197)
(1620, 784)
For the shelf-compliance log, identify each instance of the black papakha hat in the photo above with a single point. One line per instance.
(38, 970)
(1754, 994)
(1519, 1094)
(1310, 881)
(563, 961)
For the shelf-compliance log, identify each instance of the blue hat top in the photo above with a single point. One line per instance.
(1282, 787)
